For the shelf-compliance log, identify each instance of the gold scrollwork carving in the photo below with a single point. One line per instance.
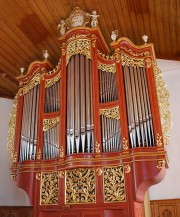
(111, 112)
(108, 57)
(78, 36)
(107, 67)
(159, 140)
(99, 171)
(50, 123)
(97, 148)
(79, 46)
(15, 157)
(33, 82)
(125, 146)
(61, 174)
(14, 177)
(49, 188)
(80, 186)
(114, 184)
(130, 51)
(38, 155)
(161, 164)
(127, 168)
(93, 43)
(129, 61)
(11, 130)
(50, 82)
(38, 176)
(61, 152)
(148, 62)
(163, 100)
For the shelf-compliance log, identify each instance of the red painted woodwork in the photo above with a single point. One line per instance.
(142, 161)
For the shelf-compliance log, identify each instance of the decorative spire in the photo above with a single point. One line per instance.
(145, 38)
(22, 69)
(45, 54)
(114, 35)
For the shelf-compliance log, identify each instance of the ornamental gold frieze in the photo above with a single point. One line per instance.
(79, 46)
(133, 53)
(49, 188)
(114, 184)
(80, 186)
(52, 81)
(164, 105)
(33, 82)
(111, 112)
(107, 67)
(11, 131)
(105, 56)
(130, 61)
(49, 123)
(78, 36)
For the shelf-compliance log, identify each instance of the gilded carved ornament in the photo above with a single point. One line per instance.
(99, 171)
(38, 155)
(133, 53)
(159, 140)
(114, 184)
(38, 176)
(164, 105)
(79, 46)
(125, 144)
(49, 188)
(33, 82)
(80, 186)
(161, 164)
(108, 57)
(11, 130)
(14, 177)
(127, 168)
(49, 123)
(61, 152)
(130, 61)
(15, 157)
(107, 67)
(111, 112)
(61, 174)
(50, 82)
(97, 148)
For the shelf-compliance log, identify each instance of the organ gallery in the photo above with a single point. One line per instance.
(87, 138)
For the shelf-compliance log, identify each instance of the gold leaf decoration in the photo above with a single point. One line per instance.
(49, 188)
(80, 46)
(107, 67)
(50, 82)
(33, 82)
(80, 186)
(164, 105)
(161, 164)
(114, 184)
(129, 61)
(111, 112)
(50, 123)
(11, 130)
(130, 51)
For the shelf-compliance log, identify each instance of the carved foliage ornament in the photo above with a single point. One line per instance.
(164, 105)
(114, 184)
(50, 123)
(33, 82)
(80, 186)
(161, 164)
(11, 131)
(111, 113)
(130, 51)
(49, 188)
(50, 82)
(130, 61)
(80, 46)
(107, 67)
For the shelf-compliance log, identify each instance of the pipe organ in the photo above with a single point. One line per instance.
(88, 137)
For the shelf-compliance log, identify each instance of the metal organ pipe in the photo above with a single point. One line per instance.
(138, 107)
(80, 126)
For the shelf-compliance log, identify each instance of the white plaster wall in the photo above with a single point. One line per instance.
(10, 195)
(169, 188)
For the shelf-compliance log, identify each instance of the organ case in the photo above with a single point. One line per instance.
(88, 137)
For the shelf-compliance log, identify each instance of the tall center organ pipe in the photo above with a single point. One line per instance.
(80, 126)
(138, 107)
(29, 125)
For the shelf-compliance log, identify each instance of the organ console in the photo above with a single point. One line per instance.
(88, 137)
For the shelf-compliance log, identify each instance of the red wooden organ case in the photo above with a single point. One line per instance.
(88, 137)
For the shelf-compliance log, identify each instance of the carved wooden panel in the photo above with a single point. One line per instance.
(165, 208)
(9, 211)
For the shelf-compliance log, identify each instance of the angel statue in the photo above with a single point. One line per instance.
(62, 27)
(94, 20)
